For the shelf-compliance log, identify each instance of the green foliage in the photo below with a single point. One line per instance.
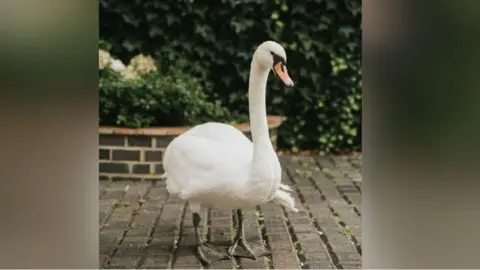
(322, 39)
(156, 100)
(104, 45)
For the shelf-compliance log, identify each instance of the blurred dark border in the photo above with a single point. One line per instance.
(49, 138)
(420, 134)
(421, 130)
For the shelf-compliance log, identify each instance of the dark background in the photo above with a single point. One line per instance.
(214, 41)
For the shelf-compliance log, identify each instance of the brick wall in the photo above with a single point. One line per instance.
(123, 156)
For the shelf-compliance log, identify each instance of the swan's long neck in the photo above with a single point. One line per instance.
(262, 180)
(257, 107)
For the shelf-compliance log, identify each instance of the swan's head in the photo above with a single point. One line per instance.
(271, 55)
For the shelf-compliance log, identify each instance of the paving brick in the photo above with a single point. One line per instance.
(221, 223)
(333, 236)
(157, 254)
(281, 246)
(321, 265)
(254, 236)
(156, 261)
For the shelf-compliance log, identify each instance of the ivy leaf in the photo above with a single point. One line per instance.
(151, 16)
(130, 19)
(130, 46)
(170, 19)
(346, 31)
(155, 31)
(298, 8)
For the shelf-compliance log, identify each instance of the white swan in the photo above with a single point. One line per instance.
(216, 165)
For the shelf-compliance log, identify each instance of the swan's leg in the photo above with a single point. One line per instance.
(207, 254)
(242, 248)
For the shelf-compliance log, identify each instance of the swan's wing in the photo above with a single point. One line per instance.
(197, 166)
(219, 132)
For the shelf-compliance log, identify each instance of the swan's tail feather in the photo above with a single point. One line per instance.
(163, 176)
(285, 199)
(285, 187)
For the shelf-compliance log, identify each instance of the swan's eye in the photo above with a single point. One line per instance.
(277, 59)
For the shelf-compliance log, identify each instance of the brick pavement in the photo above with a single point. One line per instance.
(142, 227)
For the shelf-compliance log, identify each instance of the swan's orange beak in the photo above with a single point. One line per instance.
(281, 71)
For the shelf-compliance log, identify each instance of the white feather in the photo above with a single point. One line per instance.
(285, 199)
(285, 187)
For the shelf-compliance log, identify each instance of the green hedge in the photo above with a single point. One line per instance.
(156, 99)
(214, 41)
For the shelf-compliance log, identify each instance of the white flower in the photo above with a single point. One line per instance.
(129, 73)
(117, 65)
(104, 59)
(143, 64)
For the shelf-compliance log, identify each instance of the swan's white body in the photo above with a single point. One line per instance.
(216, 165)
(230, 144)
